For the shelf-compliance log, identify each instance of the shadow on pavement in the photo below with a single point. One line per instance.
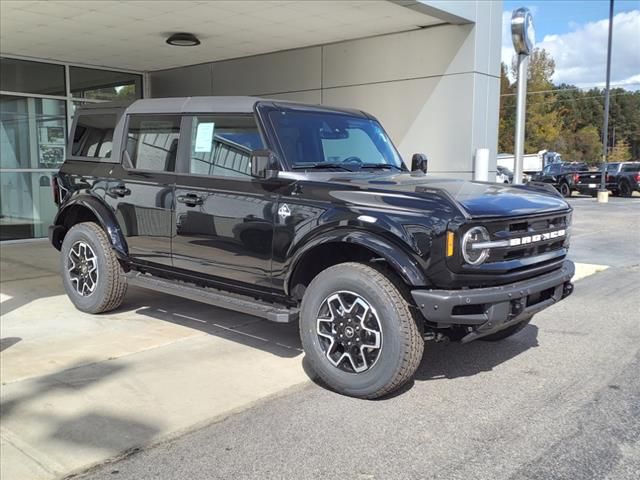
(278, 339)
(78, 377)
(455, 360)
(96, 430)
(104, 432)
(8, 342)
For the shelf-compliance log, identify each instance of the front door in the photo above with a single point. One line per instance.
(142, 195)
(224, 217)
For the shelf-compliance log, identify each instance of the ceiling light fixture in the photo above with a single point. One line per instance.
(183, 40)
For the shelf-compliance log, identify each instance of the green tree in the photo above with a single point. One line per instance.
(586, 146)
(621, 152)
(543, 123)
(507, 123)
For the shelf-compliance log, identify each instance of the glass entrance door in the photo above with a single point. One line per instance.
(32, 147)
(37, 100)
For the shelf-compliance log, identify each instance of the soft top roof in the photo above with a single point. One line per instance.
(194, 105)
(212, 104)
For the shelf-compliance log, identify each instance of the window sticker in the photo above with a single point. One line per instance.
(204, 137)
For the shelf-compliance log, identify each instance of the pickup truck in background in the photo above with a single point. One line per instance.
(625, 179)
(622, 178)
(562, 175)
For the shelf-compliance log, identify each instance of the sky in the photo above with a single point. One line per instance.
(575, 33)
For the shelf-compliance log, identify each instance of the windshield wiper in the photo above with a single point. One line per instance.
(380, 165)
(321, 165)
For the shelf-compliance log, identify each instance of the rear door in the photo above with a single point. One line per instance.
(224, 217)
(141, 192)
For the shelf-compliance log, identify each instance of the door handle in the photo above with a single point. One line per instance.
(191, 199)
(120, 191)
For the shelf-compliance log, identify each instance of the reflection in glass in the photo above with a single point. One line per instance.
(31, 77)
(91, 83)
(32, 132)
(26, 204)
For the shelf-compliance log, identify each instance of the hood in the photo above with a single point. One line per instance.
(475, 199)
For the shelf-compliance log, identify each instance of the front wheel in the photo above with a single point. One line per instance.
(91, 273)
(358, 331)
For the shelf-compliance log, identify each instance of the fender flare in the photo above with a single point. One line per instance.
(403, 263)
(105, 216)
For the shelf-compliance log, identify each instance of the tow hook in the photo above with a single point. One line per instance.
(567, 290)
(435, 337)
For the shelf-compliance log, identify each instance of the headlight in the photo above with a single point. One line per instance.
(475, 256)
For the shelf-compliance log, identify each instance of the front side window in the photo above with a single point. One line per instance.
(222, 145)
(93, 136)
(325, 139)
(152, 142)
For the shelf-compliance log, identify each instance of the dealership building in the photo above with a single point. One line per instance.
(429, 70)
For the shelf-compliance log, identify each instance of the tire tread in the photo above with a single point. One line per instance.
(414, 343)
(116, 287)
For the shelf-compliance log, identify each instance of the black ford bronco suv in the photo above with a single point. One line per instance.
(302, 213)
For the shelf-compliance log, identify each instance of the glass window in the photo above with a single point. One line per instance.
(221, 146)
(32, 132)
(93, 136)
(310, 139)
(31, 77)
(152, 142)
(97, 84)
(632, 167)
(26, 204)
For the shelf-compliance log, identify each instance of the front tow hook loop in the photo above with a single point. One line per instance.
(567, 290)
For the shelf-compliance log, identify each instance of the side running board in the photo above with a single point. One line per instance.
(218, 298)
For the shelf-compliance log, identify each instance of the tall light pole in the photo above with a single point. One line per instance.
(603, 193)
(523, 37)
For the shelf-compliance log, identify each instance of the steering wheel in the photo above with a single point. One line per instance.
(352, 160)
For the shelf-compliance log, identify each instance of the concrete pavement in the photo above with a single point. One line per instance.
(78, 389)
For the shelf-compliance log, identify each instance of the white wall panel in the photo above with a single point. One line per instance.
(182, 82)
(279, 72)
(431, 116)
(431, 51)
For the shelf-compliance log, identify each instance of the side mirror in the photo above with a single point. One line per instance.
(419, 162)
(264, 164)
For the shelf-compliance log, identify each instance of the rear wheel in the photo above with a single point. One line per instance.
(358, 331)
(91, 273)
(625, 189)
(565, 191)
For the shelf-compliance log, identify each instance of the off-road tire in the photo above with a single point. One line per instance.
(402, 342)
(111, 285)
(507, 332)
(625, 189)
(565, 190)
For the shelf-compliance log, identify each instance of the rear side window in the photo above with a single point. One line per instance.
(634, 167)
(93, 136)
(152, 142)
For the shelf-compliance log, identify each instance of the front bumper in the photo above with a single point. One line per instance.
(489, 310)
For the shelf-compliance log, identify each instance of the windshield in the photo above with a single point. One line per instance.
(322, 139)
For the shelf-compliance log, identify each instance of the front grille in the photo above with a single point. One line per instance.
(526, 232)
